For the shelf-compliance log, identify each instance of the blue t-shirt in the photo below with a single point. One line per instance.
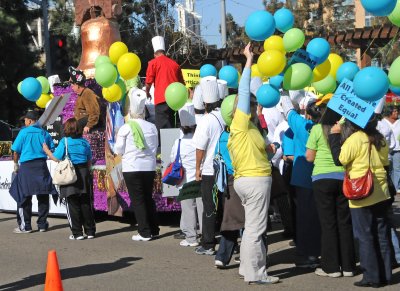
(302, 170)
(78, 150)
(29, 143)
(287, 143)
(223, 148)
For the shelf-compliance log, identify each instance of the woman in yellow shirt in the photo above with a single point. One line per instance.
(252, 181)
(369, 215)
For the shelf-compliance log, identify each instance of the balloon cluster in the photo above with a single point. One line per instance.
(112, 70)
(316, 66)
(36, 90)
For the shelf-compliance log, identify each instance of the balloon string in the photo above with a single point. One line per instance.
(175, 118)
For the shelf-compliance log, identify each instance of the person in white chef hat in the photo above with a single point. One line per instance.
(162, 71)
(206, 136)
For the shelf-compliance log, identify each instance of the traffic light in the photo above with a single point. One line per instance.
(59, 55)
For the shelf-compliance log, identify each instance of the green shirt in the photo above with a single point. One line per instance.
(323, 163)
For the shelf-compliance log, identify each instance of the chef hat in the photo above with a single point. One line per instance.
(186, 115)
(255, 84)
(54, 79)
(222, 89)
(309, 97)
(137, 101)
(209, 89)
(158, 43)
(297, 95)
(379, 107)
(197, 98)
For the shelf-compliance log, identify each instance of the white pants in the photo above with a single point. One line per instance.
(255, 193)
(192, 212)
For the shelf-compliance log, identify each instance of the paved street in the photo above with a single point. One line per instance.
(113, 261)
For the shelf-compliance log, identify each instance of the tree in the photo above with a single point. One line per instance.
(272, 5)
(18, 59)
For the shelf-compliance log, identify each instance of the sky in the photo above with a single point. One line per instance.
(210, 10)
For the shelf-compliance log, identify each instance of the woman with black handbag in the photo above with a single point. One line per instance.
(364, 150)
(78, 195)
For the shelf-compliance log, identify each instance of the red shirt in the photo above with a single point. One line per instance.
(162, 71)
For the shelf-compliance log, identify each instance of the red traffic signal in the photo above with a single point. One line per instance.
(60, 43)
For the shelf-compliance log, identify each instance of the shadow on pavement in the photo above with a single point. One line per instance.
(68, 273)
(115, 231)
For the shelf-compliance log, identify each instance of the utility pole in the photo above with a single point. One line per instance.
(223, 27)
(44, 5)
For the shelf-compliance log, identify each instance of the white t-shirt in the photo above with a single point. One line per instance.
(206, 136)
(273, 117)
(384, 128)
(396, 131)
(134, 159)
(278, 137)
(188, 156)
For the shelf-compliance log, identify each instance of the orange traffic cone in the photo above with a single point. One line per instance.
(53, 277)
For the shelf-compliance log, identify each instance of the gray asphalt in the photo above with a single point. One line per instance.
(112, 261)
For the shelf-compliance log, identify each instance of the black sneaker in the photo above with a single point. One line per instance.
(180, 235)
(236, 259)
(309, 262)
(203, 251)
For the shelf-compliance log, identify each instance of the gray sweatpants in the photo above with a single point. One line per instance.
(255, 193)
(192, 211)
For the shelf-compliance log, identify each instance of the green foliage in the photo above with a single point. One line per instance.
(18, 57)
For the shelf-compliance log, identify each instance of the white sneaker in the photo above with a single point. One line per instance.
(138, 237)
(185, 243)
(72, 237)
(348, 274)
(90, 237)
(268, 280)
(18, 230)
(219, 264)
(322, 273)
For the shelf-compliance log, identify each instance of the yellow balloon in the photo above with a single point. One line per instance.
(112, 94)
(255, 72)
(322, 70)
(42, 101)
(51, 96)
(336, 61)
(271, 63)
(117, 49)
(274, 42)
(129, 66)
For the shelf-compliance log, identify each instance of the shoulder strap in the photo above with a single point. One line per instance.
(66, 147)
(178, 152)
(369, 155)
(218, 121)
(219, 139)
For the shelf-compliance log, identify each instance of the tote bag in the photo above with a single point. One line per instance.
(64, 172)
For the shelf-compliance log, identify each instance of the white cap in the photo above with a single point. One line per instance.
(53, 80)
(222, 89)
(158, 43)
(297, 95)
(197, 98)
(209, 89)
(255, 84)
(186, 115)
(381, 104)
(137, 101)
(307, 99)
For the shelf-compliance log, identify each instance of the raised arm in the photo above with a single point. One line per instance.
(244, 85)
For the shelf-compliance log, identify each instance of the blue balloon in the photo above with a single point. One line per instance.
(260, 25)
(276, 81)
(371, 84)
(208, 70)
(230, 75)
(284, 19)
(319, 49)
(395, 90)
(379, 7)
(268, 96)
(347, 70)
(31, 89)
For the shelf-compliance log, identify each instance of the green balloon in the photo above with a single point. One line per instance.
(394, 73)
(44, 83)
(293, 39)
(326, 85)
(19, 87)
(105, 75)
(394, 17)
(227, 109)
(122, 85)
(176, 95)
(101, 60)
(297, 77)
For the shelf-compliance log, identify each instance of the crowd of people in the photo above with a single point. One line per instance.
(291, 159)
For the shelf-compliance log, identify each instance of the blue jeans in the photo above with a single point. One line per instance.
(396, 244)
(395, 169)
(371, 230)
(227, 246)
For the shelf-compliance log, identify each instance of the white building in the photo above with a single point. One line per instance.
(188, 19)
